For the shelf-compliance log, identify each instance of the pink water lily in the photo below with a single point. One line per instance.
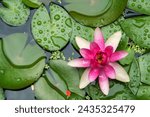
(100, 60)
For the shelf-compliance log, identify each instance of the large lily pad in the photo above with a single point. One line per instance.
(14, 13)
(52, 32)
(95, 13)
(57, 79)
(138, 29)
(14, 77)
(24, 53)
(141, 6)
(144, 92)
(144, 64)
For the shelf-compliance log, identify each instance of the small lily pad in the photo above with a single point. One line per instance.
(144, 64)
(52, 32)
(141, 6)
(23, 53)
(14, 13)
(138, 29)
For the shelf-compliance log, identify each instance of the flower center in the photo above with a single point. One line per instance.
(101, 58)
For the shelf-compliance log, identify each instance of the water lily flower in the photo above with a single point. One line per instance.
(100, 60)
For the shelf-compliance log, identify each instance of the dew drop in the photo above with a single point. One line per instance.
(2, 72)
(57, 17)
(148, 68)
(18, 79)
(39, 22)
(139, 6)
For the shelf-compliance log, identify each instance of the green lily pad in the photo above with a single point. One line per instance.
(14, 13)
(128, 59)
(43, 91)
(144, 64)
(144, 92)
(141, 6)
(2, 97)
(135, 78)
(32, 3)
(57, 79)
(24, 53)
(138, 29)
(95, 13)
(71, 78)
(13, 77)
(81, 31)
(52, 32)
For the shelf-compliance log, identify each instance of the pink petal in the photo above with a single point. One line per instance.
(109, 71)
(94, 73)
(109, 50)
(104, 83)
(99, 39)
(84, 79)
(82, 43)
(114, 40)
(118, 55)
(121, 74)
(86, 53)
(79, 62)
(94, 47)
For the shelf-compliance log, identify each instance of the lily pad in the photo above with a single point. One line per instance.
(57, 79)
(24, 53)
(14, 13)
(71, 78)
(95, 13)
(52, 32)
(43, 91)
(141, 6)
(2, 97)
(144, 64)
(13, 77)
(135, 78)
(138, 29)
(32, 3)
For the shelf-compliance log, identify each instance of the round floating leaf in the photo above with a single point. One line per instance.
(138, 29)
(95, 13)
(13, 77)
(2, 97)
(144, 92)
(135, 78)
(32, 3)
(52, 32)
(141, 6)
(144, 64)
(14, 13)
(81, 31)
(23, 53)
(69, 75)
(43, 91)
